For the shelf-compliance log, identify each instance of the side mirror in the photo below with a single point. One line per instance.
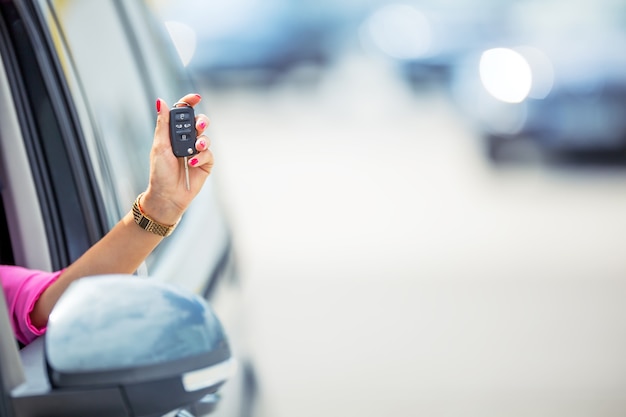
(139, 344)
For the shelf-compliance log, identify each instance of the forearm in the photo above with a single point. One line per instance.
(121, 250)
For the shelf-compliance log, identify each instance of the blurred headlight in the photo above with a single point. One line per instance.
(505, 74)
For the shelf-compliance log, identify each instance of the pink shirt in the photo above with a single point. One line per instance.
(22, 288)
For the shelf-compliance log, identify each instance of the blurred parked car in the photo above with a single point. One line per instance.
(78, 83)
(253, 41)
(559, 83)
(425, 39)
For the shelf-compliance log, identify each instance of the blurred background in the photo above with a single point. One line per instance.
(428, 199)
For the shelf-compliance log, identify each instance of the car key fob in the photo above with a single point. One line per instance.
(183, 131)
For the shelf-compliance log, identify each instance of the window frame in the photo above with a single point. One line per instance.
(65, 185)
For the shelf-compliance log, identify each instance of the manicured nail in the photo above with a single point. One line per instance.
(202, 144)
(158, 105)
(199, 96)
(202, 124)
(193, 162)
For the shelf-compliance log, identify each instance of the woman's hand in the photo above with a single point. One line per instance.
(167, 197)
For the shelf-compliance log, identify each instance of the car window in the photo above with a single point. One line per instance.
(163, 65)
(103, 63)
(117, 59)
(114, 83)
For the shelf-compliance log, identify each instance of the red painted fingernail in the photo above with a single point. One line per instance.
(202, 124)
(193, 162)
(202, 144)
(158, 105)
(199, 96)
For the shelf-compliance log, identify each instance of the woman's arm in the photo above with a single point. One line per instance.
(127, 245)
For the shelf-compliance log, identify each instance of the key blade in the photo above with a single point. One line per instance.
(186, 173)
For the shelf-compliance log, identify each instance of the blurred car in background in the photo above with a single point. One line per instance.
(78, 85)
(557, 83)
(425, 39)
(253, 41)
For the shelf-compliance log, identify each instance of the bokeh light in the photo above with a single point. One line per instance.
(505, 74)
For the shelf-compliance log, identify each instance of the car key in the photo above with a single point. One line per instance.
(183, 134)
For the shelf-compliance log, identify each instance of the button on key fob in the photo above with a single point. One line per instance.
(183, 131)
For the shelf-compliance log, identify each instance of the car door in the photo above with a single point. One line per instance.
(78, 84)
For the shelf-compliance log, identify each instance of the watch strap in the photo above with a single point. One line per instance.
(149, 224)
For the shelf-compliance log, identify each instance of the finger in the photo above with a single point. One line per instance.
(191, 99)
(203, 143)
(203, 159)
(202, 122)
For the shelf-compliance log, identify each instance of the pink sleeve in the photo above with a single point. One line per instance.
(22, 288)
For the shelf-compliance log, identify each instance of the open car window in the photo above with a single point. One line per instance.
(119, 131)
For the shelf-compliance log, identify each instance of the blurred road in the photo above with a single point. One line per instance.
(390, 271)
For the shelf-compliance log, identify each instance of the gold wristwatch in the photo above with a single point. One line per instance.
(149, 224)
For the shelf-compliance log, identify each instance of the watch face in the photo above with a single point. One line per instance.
(148, 224)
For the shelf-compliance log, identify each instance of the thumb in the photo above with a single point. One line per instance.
(162, 132)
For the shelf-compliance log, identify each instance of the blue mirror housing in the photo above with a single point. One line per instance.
(164, 347)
